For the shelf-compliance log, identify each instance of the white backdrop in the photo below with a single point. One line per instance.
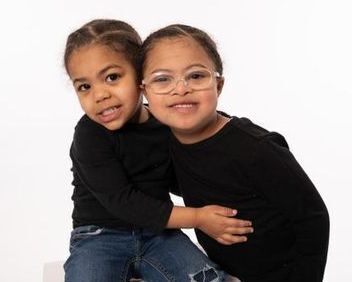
(287, 67)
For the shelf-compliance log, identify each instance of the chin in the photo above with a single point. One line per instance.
(113, 125)
(183, 128)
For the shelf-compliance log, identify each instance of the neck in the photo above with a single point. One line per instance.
(208, 130)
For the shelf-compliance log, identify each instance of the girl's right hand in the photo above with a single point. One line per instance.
(219, 223)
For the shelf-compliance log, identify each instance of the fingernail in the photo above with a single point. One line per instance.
(234, 212)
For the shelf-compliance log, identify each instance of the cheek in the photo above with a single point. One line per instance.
(84, 102)
(155, 106)
(211, 98)
(155, 103)
(129, 95)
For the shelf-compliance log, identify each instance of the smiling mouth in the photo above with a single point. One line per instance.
(184, 108)
(183, 105)
(108, 111)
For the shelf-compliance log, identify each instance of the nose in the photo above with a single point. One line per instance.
(181, 88)
(101, 94)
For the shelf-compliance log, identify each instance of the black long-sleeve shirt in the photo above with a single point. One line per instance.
(246, 167)
(122, 178)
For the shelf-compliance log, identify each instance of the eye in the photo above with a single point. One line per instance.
(161, 79)
(83, 87)
(112, 77)
(197, 75)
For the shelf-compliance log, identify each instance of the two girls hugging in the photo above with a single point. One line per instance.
(255, 212)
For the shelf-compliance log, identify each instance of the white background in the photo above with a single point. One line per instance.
(288, 67)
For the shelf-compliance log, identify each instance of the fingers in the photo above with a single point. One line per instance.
(229, 239)
(238, 227)
(235, 222)
(225, 211)
(239, 230)
(223, 242)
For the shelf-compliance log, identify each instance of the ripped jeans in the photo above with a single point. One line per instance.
(110, 255)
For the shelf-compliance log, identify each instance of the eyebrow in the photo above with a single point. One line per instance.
(103, 70)
(187, 68)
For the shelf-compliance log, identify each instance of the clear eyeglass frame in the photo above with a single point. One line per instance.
(146, 83)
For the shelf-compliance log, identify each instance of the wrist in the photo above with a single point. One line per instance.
(197, 217)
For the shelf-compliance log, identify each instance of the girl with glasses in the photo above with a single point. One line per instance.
(233, 162)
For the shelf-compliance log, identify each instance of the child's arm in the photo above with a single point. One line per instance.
(216, 221)
(283, 182)
(97, 169)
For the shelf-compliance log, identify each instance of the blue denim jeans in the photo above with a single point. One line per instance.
(110, 255)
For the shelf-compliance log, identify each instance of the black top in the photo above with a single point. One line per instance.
(246, 167)
(122, 177)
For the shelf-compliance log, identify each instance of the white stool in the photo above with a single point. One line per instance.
(54, 271)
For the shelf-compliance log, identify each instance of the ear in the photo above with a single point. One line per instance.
(220, 84)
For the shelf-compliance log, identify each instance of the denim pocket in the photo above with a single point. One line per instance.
(82, 233)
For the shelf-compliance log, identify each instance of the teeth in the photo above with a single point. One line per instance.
(108, 111)
(183, 106)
